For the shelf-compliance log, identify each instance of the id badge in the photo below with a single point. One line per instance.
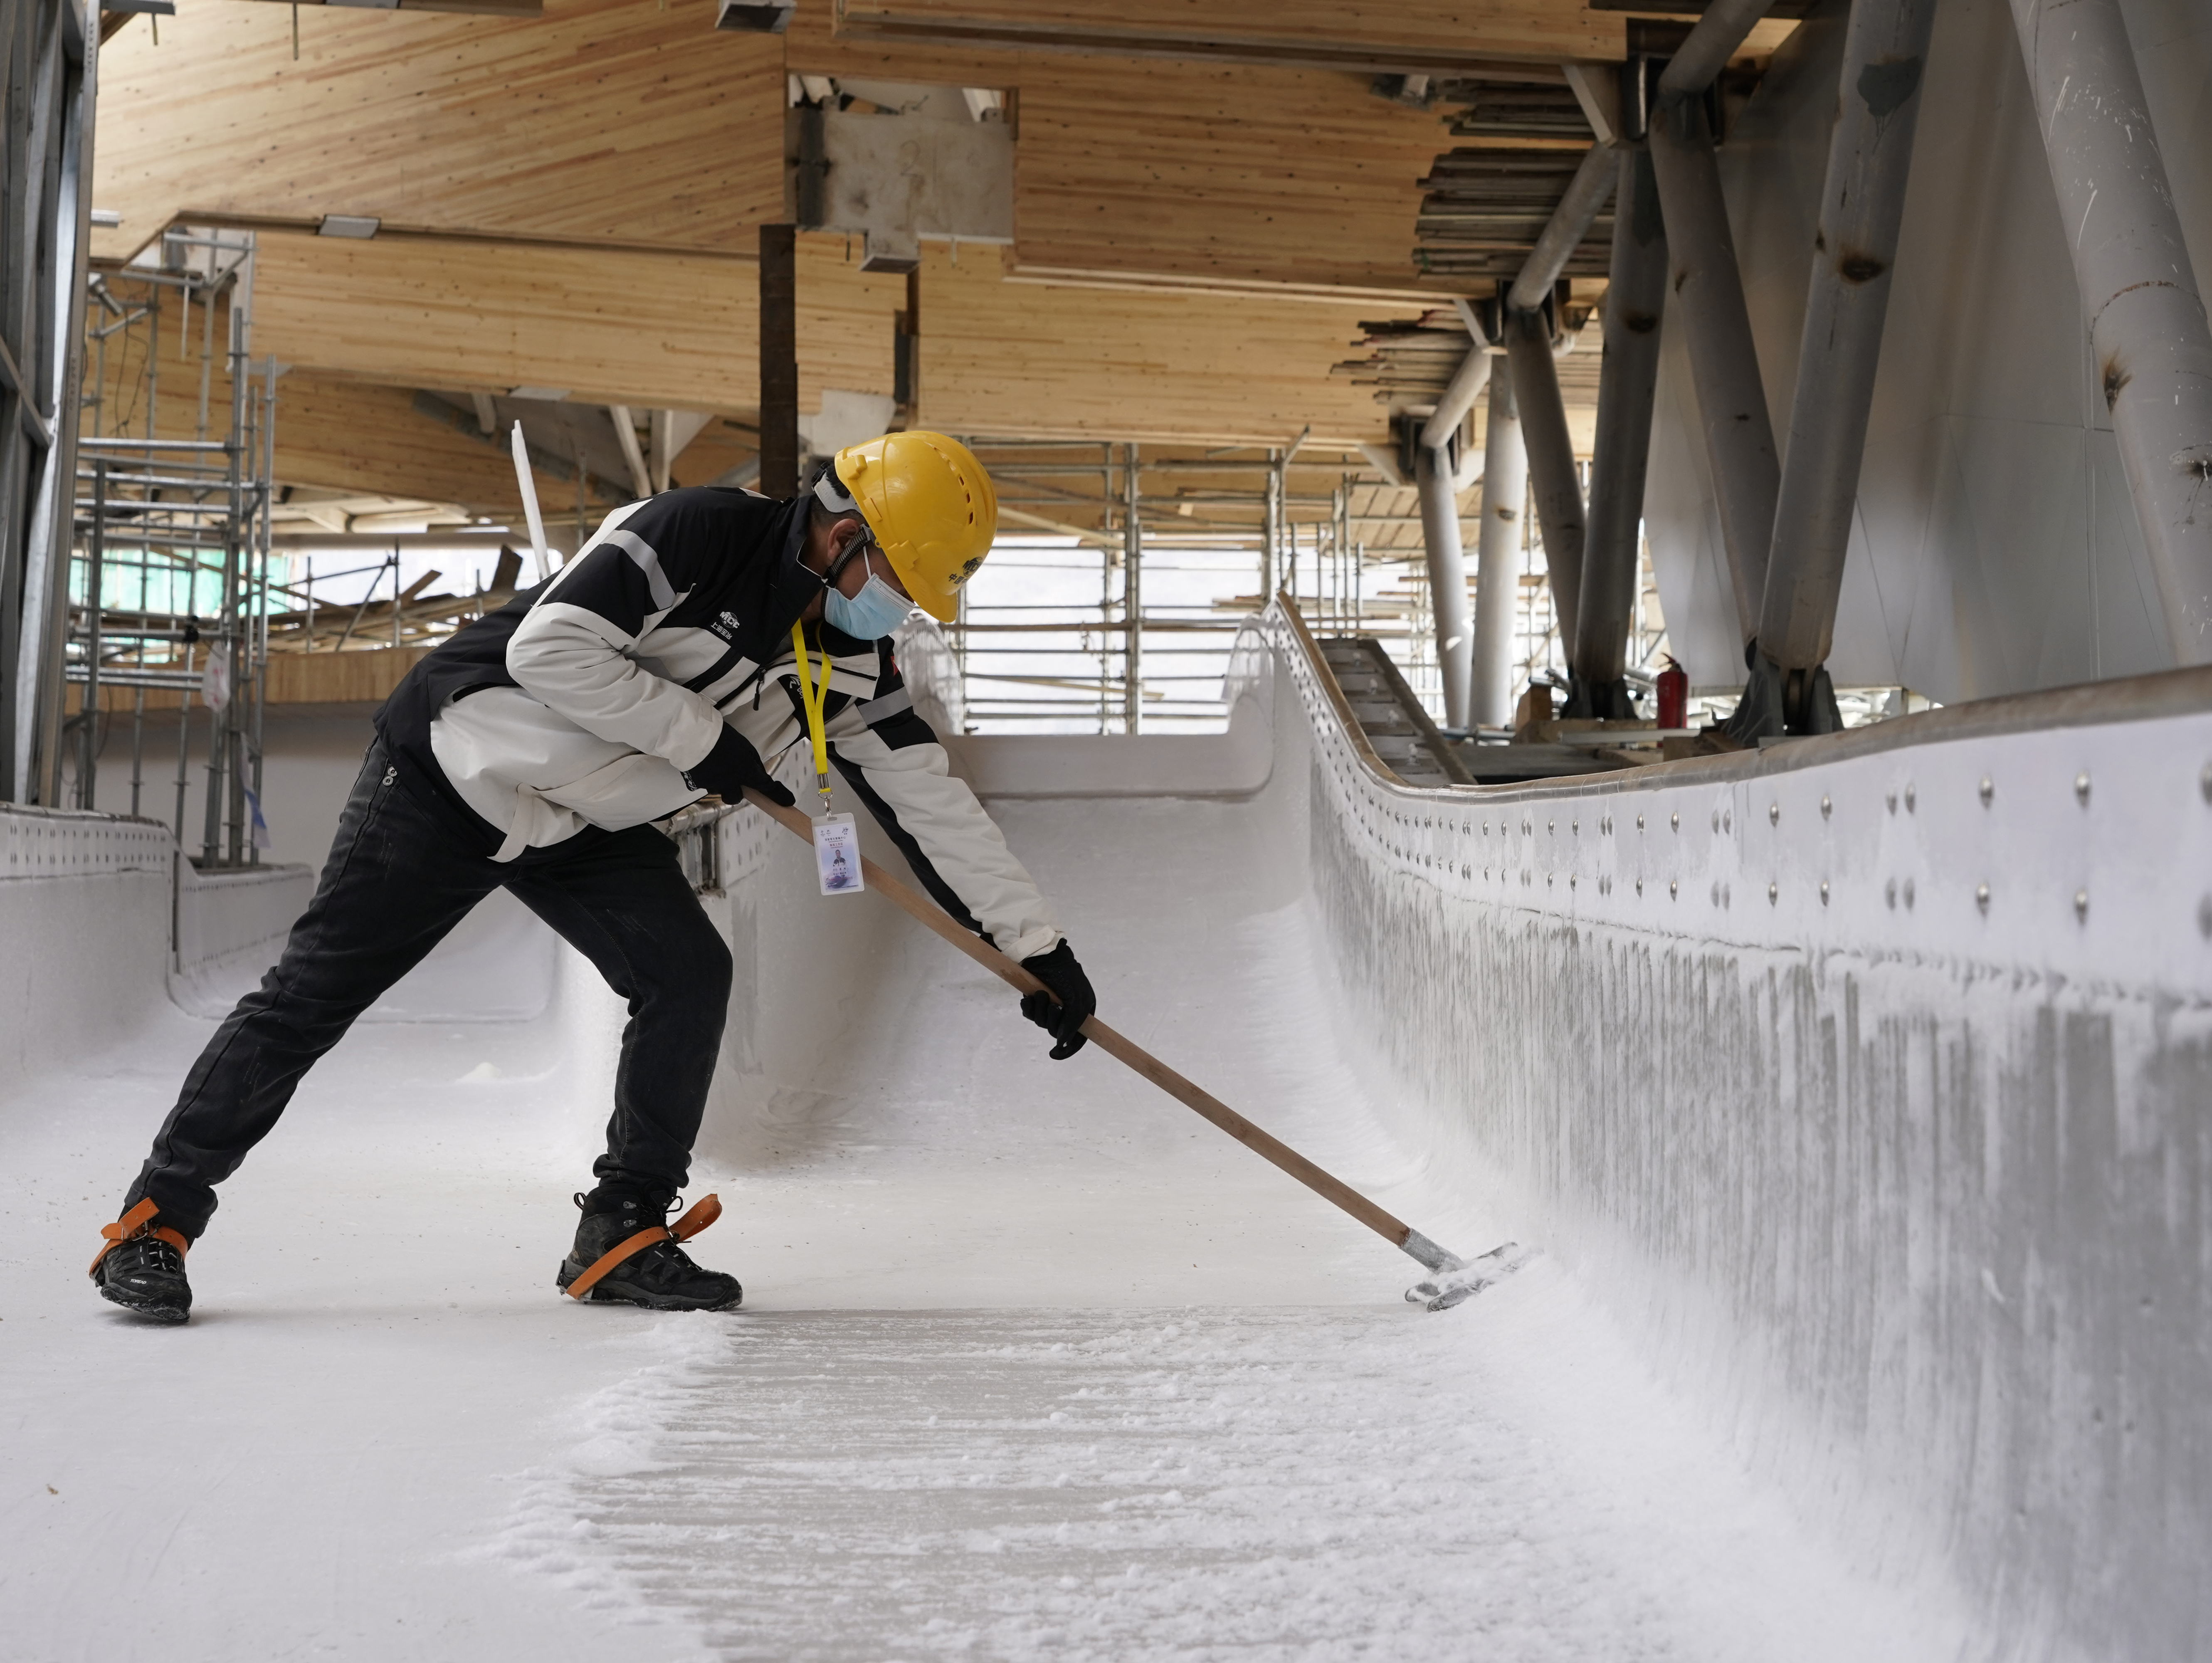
(837, 854)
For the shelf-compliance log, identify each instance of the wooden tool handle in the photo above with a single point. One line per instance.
(930, 914)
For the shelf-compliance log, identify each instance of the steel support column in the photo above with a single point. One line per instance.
(1708, 297)
(1498, 570)
(1635, 297)
(1855, 250)
(1550, 451)
(2139, 292)
(49, 69)
(1447, 566)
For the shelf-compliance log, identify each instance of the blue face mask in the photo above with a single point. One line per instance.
(874, 613)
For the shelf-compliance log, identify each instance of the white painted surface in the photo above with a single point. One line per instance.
(1997, 550)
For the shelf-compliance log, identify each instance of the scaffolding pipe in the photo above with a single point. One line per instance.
(1563, 232)
(1716, 323)
(1855, 251)
(1498, 570)
(1551, 452)
(1635, 297)
(2146, 314)
(1133, 598)
(1447, 566)
(95, 581)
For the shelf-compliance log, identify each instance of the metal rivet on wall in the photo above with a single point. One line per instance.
(1910, 801)
(1989, 790)
(1773, 893)
(1982, 896)
(1824, 892)
(1774, 814)
(2081, 899)
(2081, 788)
(1827, 807)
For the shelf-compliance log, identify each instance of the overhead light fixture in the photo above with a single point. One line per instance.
(550, 395)
(107, 218)
(349, 225)
(755, 16)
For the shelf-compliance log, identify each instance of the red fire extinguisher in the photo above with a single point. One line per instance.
(1674, 684)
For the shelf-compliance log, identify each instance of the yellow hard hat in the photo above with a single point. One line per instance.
(931, 507)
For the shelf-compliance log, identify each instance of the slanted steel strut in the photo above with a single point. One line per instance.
(1447, 564)
(1855, 251)
(1498, 571)
(1709, 295)
(1636, 296)
(2139, 292)
(1551, 450)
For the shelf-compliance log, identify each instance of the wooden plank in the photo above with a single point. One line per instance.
(531, 9)
(613, 120)
(1436, 37)
(1043, 362)
(612, 326)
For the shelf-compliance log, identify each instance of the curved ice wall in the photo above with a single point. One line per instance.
(1869, 1079)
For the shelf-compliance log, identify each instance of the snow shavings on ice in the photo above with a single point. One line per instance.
(1276, 1484)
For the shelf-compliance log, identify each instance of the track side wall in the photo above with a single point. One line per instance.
(1870, 1080)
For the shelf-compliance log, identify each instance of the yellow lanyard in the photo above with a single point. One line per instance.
(810, 695)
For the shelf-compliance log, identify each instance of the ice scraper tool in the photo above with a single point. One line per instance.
(1451, 1278)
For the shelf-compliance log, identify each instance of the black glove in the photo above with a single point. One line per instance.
(732, 768)
(1059, 971)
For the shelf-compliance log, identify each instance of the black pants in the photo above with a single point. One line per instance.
(396, 882)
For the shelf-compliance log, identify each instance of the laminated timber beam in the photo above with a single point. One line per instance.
(660, 330)
(1498, 39)
(463, 8)
(1426, 36)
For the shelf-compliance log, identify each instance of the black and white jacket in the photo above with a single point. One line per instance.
(583, 701)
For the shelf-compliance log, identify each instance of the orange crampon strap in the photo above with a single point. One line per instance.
(708, 1209)
(132, 1225)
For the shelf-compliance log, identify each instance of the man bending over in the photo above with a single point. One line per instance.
(533, 750)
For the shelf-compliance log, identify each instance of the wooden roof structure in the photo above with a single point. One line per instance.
(1213, 204)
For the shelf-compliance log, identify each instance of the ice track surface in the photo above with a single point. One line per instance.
(1034, 1364)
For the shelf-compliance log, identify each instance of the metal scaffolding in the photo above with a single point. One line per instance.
(169, 586)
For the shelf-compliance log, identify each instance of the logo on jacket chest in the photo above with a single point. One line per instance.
(725, 626)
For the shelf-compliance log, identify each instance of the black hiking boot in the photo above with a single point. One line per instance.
(143, 1267)
(659, 1275)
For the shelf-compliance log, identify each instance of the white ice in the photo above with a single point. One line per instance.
(1034, 1364)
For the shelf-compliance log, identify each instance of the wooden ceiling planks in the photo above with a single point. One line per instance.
(1139, 168)
(1219, 170)
(609, 121)
(1047, 361)
(1427, 36)
(608, 325)
(336, 434)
